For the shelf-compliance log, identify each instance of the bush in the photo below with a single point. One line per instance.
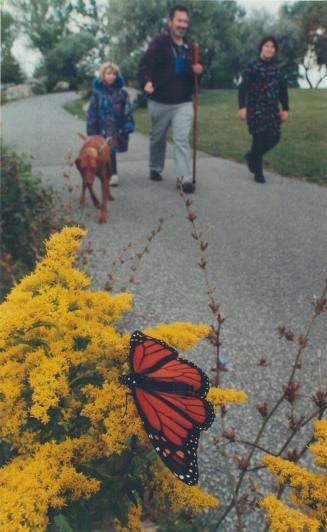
(27, 218)
(308, 491)
(71, 452)
(10, 70)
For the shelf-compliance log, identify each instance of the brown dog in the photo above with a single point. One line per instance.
(94, 160)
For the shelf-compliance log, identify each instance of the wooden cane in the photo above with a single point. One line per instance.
(196, 52)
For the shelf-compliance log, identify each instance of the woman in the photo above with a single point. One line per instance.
(262, 89)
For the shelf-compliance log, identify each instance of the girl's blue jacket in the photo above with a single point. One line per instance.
(110, 113)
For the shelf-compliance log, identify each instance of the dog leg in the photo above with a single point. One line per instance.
(109, 174)
(95, 200)
(82, 196)
(104, 205)
(110, 196)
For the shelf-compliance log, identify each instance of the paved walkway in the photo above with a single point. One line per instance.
(266, 256)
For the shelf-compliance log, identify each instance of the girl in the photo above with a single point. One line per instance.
(262, 88)
(110, 113)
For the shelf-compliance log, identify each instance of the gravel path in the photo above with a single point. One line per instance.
(266, 256)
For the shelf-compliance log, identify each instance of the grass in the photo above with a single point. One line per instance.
(301, 153)
(76, 108)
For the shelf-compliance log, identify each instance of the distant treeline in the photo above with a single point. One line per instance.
(75, 37)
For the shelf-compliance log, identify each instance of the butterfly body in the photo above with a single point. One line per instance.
(169, 394)
(133, 380)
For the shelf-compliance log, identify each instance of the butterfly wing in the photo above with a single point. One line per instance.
(158, 361)
(173, 422)
(171, 402)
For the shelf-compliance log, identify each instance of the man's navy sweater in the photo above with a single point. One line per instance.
(158, 66)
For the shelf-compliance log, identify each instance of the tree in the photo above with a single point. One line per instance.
(213, 24)
(49, 23)
(62, 62)
(311, 21)
(44, 22)
(10, 69)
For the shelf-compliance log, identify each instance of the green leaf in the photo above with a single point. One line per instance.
(62, 523)
(84, 521)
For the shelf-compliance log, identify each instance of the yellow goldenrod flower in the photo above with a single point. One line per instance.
(283, 519)
(221, 396)
(308, 490)
(30, 485)
(180, 335)
(61, 405)
(169, 493)
(320, 447)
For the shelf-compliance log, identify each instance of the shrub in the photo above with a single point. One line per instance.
(308, 489)
(27, 218)
(10, 70)
(70, 450)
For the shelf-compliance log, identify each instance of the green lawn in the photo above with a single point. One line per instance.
(302, 151)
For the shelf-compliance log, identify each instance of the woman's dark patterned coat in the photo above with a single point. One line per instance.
(262, 88)
(110, 114)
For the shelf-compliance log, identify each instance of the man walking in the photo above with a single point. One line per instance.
(166, 73)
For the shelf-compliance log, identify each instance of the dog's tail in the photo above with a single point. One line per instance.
(83, 137)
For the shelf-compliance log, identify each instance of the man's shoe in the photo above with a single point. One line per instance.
(114, 180)
(155, 176)
(188, 188)
(259, 179)
(249, 162)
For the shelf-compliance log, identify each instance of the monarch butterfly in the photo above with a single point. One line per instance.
(169, 394)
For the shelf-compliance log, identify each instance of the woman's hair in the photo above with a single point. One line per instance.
(108, 66)
(269, 38)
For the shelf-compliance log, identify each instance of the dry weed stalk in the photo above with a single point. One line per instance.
(67, 174)
(135, 260)
(290, 395)
(217, 317)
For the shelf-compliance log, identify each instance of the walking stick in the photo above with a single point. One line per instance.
(196, 50)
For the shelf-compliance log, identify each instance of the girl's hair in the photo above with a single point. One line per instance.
(269, 38)
(108, 66)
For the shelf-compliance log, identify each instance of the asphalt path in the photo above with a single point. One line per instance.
(267, 258)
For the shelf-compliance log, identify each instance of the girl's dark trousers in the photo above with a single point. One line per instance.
(261, 143)
(113, 162)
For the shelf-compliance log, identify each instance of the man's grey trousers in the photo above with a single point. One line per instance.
(180, 118)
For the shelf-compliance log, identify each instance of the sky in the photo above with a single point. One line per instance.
(269, 5)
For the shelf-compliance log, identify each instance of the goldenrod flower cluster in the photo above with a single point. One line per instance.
(284, 519)
(170, 493)
(308, 490)
(320, 447)
(61, 406)
(221, 396)
(30, 484)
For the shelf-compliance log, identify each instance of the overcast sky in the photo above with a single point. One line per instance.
(269, 5)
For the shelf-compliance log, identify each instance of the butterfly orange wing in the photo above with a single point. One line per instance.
(171, 403)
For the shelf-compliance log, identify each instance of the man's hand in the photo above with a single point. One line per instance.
(242, 113)
(148, 87)
(283, 116)
(197, 69)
